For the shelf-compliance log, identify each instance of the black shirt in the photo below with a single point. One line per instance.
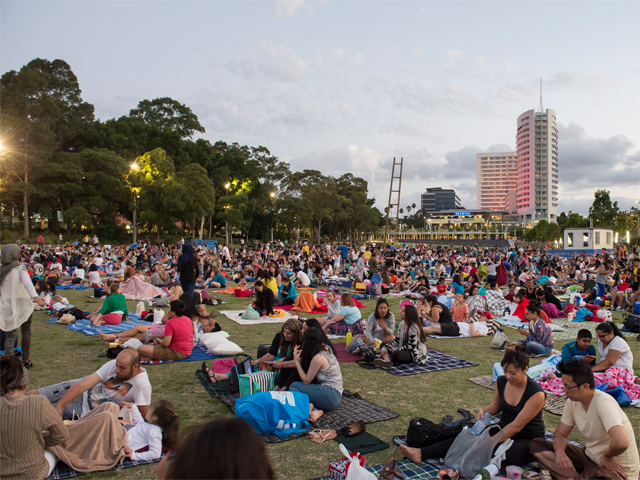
(533, 429)
(445, 314)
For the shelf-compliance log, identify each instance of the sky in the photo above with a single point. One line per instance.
(346, 86)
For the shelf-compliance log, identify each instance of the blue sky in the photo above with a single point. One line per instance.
(345, 86)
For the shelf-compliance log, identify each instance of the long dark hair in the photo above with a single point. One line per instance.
(168, 421)
(295, 326)
(410, 319)
(314, 323)
(312, 344)
(226, 437)
(11, 374)
(189, 306)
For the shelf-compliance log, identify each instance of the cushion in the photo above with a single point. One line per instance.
(226, 347)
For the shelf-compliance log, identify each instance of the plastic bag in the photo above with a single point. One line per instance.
(500, 340)
(140, 308)
(356, 471)
(471, 453)
(158, 314)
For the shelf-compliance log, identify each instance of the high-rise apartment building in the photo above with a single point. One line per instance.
(437, 199)
(496, 176)
(537, 166)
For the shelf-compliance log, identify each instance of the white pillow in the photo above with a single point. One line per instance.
(226, 347)
(213, 337)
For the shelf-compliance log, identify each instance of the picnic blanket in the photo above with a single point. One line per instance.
(352, 407)
(63, 471)
(71, 287)
(84, 326)
(552, 404)
(437, 361)
(230, 290)
(342, 355)
(198, 354)
(235, 316)
(137, 289)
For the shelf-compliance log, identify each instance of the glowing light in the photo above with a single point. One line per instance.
(134, 166)
(227, 186)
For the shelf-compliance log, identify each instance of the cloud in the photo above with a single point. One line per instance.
(357, 58)
(289, 8)
(456, 64)
(274, 62)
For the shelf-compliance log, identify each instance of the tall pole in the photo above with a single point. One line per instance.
(226, 232)
(135, 216)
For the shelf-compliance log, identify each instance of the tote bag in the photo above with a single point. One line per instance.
(275, 413)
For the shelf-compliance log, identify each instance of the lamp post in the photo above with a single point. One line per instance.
(272, 195)
(226, 222)
(134, 166)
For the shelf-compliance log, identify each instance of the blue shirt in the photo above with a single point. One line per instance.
(343, 251)
(351, 314)
(570, 350)
(457, 288)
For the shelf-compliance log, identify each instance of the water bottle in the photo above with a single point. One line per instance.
(349, 336)
(487, 473)
(481, 424)
(264, 314)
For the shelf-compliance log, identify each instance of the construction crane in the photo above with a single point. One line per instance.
(397, 202)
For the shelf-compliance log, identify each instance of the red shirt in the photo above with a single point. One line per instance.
(180, 329)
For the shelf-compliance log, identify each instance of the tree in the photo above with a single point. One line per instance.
(622, 223)
(42, 112)
(192, 195)
(324, 201)
(168, 115)
(602, 211)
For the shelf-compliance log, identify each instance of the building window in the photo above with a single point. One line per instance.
(608, 238)
(597, 238)
(585, 239)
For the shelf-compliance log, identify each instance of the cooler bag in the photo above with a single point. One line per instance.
(255, 382)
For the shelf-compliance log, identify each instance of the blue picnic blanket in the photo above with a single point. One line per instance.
(72, 287)
(84, 326)
(198, 354)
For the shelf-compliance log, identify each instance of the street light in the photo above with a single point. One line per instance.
(226, 222)
(134, 166)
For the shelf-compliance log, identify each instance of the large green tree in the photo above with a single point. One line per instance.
(603, 212)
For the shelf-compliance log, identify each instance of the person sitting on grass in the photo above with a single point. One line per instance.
(113, 310)
(460, 310)
(436, 312)
(409, 346)
(216, 279)
(611, 449)
(315, 361)
(333, 305)
(120, 380)
(519, 399)
(539, 339)
(613, 349)
(177, 342)
(580, 348)
(175, 293)
(264, 298)
(475, 302)
(286, 293)
(348, 317)
(380, 326)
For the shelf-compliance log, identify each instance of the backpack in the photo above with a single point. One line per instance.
(423, 432)
(76, 312)
(632, 323)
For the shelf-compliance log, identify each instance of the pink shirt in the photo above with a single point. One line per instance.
(181, 331)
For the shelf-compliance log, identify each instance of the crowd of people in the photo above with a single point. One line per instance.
(444, 291)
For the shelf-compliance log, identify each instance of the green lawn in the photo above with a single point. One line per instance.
(59, 354)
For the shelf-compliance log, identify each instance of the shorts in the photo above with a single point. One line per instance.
(449, 329)
(112, 318)
(166, 353)
(76, 281)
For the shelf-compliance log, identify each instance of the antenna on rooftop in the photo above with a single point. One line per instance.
(540, 107)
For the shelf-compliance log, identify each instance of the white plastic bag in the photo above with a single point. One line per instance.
(140, 308)
(356, 472)
(158, 314)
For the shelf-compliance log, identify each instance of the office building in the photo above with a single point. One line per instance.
(496, 177)
(438, 199)
(537, 166)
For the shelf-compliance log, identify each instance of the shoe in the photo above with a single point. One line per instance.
(379, 362)
(353, 429)
(27, 364)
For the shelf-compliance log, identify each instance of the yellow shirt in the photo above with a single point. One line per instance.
(272, 284)
(305, 249)
(603, 414)
(367, 254)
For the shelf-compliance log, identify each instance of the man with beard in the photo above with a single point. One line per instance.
(120, 380)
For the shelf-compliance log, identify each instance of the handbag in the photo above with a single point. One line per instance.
(241, 367)
(367, 354)
(391, 471)
(471, 453)
(256, 382)
(500, 340)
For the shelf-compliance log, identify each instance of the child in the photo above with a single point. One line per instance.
(160, 429)
(460, 310)
(441, 287)
(522, 302)
(240, 280)
(42, 288)
(57, 303)
(580, 348)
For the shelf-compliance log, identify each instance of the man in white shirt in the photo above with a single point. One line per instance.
(610, 449)
(303, 279)
(120, 380)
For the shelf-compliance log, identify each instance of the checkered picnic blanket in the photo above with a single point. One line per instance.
(437, 361)
(63, 471)
(571, 329)
(552, 404)
(428, 469)
(352, 408)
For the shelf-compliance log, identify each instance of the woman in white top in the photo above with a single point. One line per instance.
(333, 305)
(94, 276)
(613, 349)
(16, 305)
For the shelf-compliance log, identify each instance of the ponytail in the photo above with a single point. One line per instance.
(608, 327)
(167, 419)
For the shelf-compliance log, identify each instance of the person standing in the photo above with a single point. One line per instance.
(188, 268)
(16, 306)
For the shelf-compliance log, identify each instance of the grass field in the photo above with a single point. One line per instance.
(59, 354)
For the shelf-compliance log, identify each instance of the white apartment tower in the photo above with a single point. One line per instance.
(496, 178)
(537, 165)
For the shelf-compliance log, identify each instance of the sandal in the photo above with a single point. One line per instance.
(391, 471)
(353, 429)
(205, 370)
(319, 436)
